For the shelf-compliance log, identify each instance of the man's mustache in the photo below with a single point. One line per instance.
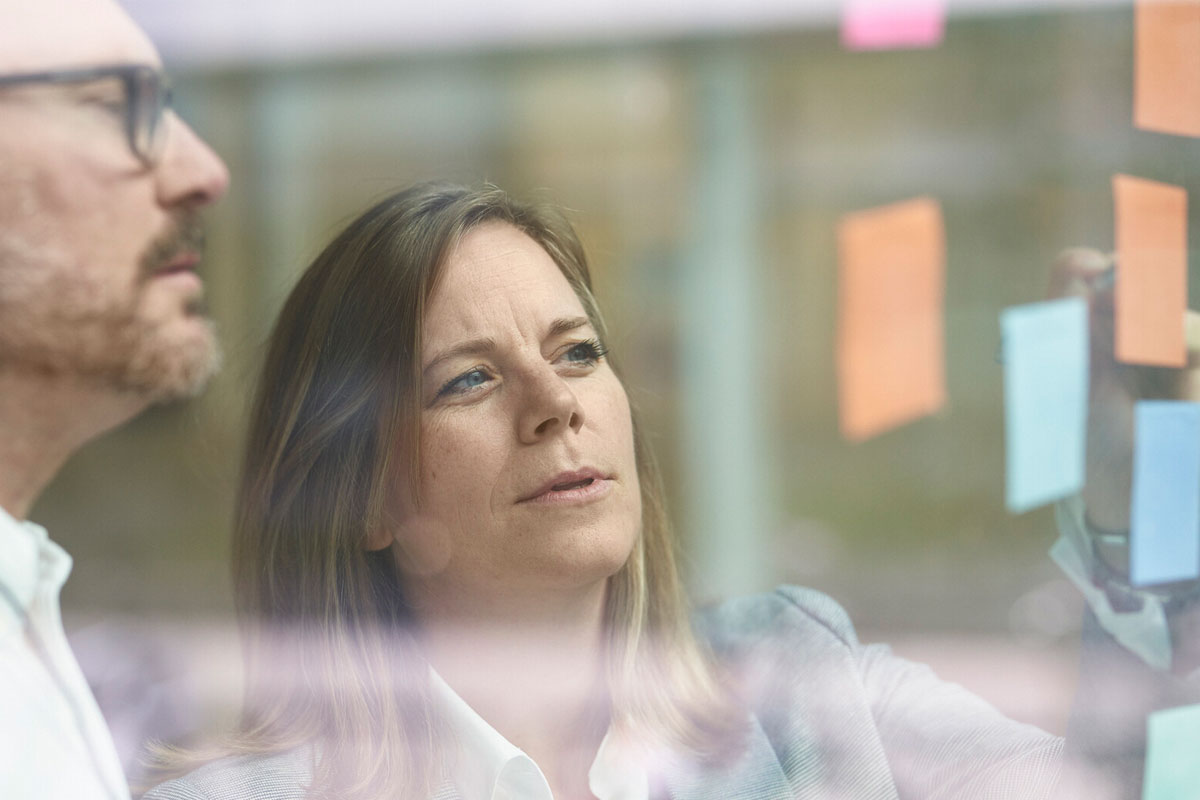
(185, 236)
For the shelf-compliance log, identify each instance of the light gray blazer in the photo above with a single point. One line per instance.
(831, 719)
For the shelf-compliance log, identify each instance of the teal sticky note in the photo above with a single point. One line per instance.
(1164, 532)
(1045, 400)
(1173, 755)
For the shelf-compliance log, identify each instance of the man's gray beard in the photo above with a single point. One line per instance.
(158, 368)
(58, 324)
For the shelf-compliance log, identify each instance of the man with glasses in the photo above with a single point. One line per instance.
(101, 185)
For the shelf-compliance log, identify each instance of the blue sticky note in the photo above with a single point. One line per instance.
(1164, 534)
(1172, 754)
(1045, 400)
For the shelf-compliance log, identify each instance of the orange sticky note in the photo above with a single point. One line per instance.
(1151, 292)
(1166, 66)
(890, 349)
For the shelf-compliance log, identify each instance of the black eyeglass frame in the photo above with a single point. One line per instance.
(148, 96)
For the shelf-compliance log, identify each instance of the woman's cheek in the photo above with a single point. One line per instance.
(459, 461)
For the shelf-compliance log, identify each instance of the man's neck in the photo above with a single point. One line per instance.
(43, 420)
(540, 681)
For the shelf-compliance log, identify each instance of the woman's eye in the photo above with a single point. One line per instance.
(465, 382)
(585, 353)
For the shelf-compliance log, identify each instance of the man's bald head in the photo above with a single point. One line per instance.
(53, 34)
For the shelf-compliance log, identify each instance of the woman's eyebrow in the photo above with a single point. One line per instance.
(486, 344)
(470, 347)
(567, 324)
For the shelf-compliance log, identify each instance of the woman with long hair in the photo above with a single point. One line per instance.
(455, 577)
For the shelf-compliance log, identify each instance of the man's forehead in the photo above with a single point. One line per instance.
(55, 34)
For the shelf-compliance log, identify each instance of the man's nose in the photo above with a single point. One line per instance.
(189, 173)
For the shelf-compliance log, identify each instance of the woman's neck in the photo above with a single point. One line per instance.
(536, 672)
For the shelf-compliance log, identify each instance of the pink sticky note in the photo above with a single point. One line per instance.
(892, 24)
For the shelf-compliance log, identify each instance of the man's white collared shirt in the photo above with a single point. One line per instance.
(54, 744)
(490, 767)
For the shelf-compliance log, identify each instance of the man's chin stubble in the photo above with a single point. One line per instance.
(166, 368)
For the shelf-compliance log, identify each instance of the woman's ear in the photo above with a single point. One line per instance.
(380, 537)
(422, 544)
(386, 529)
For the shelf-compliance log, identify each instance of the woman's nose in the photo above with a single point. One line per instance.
(550, 407)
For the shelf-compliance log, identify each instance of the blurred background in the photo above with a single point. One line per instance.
(705, 155)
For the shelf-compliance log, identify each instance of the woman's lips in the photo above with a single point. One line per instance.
(574, 494)
(578, 486)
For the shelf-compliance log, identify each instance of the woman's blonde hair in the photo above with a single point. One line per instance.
(331, 659)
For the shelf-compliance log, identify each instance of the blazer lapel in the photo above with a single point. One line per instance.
(757, 775)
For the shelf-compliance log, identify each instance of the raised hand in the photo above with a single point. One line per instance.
(1115, 390)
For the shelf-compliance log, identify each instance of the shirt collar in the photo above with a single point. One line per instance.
(487, 762)
(29, 561)
(1144, 631)
(489, 766)
(617, 774)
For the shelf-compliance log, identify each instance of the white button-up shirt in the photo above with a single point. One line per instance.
(490, 767)
(1144, 632)
(54, 744)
